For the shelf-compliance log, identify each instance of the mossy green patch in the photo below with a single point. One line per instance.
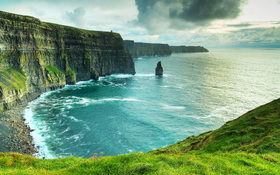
(12, 79)
(69, 71)
(53, 69)
(55, 76)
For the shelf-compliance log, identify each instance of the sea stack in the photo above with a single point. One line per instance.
(159, 69)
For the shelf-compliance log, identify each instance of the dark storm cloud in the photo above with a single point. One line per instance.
(190, 13)
(207, 10)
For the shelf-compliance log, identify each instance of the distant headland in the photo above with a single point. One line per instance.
(138, 49)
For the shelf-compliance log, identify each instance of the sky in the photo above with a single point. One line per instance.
(208, 23)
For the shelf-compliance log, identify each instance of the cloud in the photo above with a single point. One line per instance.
(77, 17)
(37, 12)
(240, 25)
(250, 37)
(157, 15)
(255, 37)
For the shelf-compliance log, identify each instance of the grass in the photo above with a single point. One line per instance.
(77, 32)
(247, 145)
(12, 79)
(52, 69)
(146, 163)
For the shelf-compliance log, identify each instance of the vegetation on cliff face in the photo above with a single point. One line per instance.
(53, 55)
(12, 86)
(249, 144)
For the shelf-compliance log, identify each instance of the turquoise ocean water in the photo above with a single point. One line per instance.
(120, 114)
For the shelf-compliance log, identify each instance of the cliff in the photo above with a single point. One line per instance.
(249, 144)
(146, 49)
(156, 49)
(36, 57)
(187, 49)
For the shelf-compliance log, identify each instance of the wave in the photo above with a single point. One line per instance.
(38, 134)
(165, 106)
(75, 137)
(73, 100)
(119, 99)
(175, 87)
(129, 76)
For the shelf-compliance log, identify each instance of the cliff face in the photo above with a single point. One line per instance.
(151, 49)
(146, 49)
(38, 57)
(187, 49)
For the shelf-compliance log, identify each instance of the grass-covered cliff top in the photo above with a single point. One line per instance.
(186, 49)
(249, 144)
(76, 32)
(73, 30)
(19, 18)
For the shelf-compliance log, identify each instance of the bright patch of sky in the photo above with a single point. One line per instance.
(225, 23)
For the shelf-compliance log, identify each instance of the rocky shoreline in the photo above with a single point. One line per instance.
(14, 133)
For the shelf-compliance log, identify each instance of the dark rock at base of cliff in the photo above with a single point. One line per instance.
(159, 69)
(94, 74)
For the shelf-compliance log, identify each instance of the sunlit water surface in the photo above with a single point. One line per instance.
(120, 114)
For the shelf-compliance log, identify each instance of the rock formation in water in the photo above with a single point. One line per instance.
(156, 49)
(159, 69)
(37, 57)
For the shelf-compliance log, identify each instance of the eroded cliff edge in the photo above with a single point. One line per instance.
(36, 57)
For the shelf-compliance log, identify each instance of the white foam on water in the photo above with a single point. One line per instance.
(75, 137)
(74, 119)
(176, 87)
(131, 99)
(38, 139)
(118, 99)
(122, 75)
(66, 130)
(145, 75)
(165, 106)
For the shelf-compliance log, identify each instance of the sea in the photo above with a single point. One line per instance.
(122, 114)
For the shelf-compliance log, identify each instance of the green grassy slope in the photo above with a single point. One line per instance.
(249, 144)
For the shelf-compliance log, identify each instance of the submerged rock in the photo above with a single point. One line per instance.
(159, 69)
